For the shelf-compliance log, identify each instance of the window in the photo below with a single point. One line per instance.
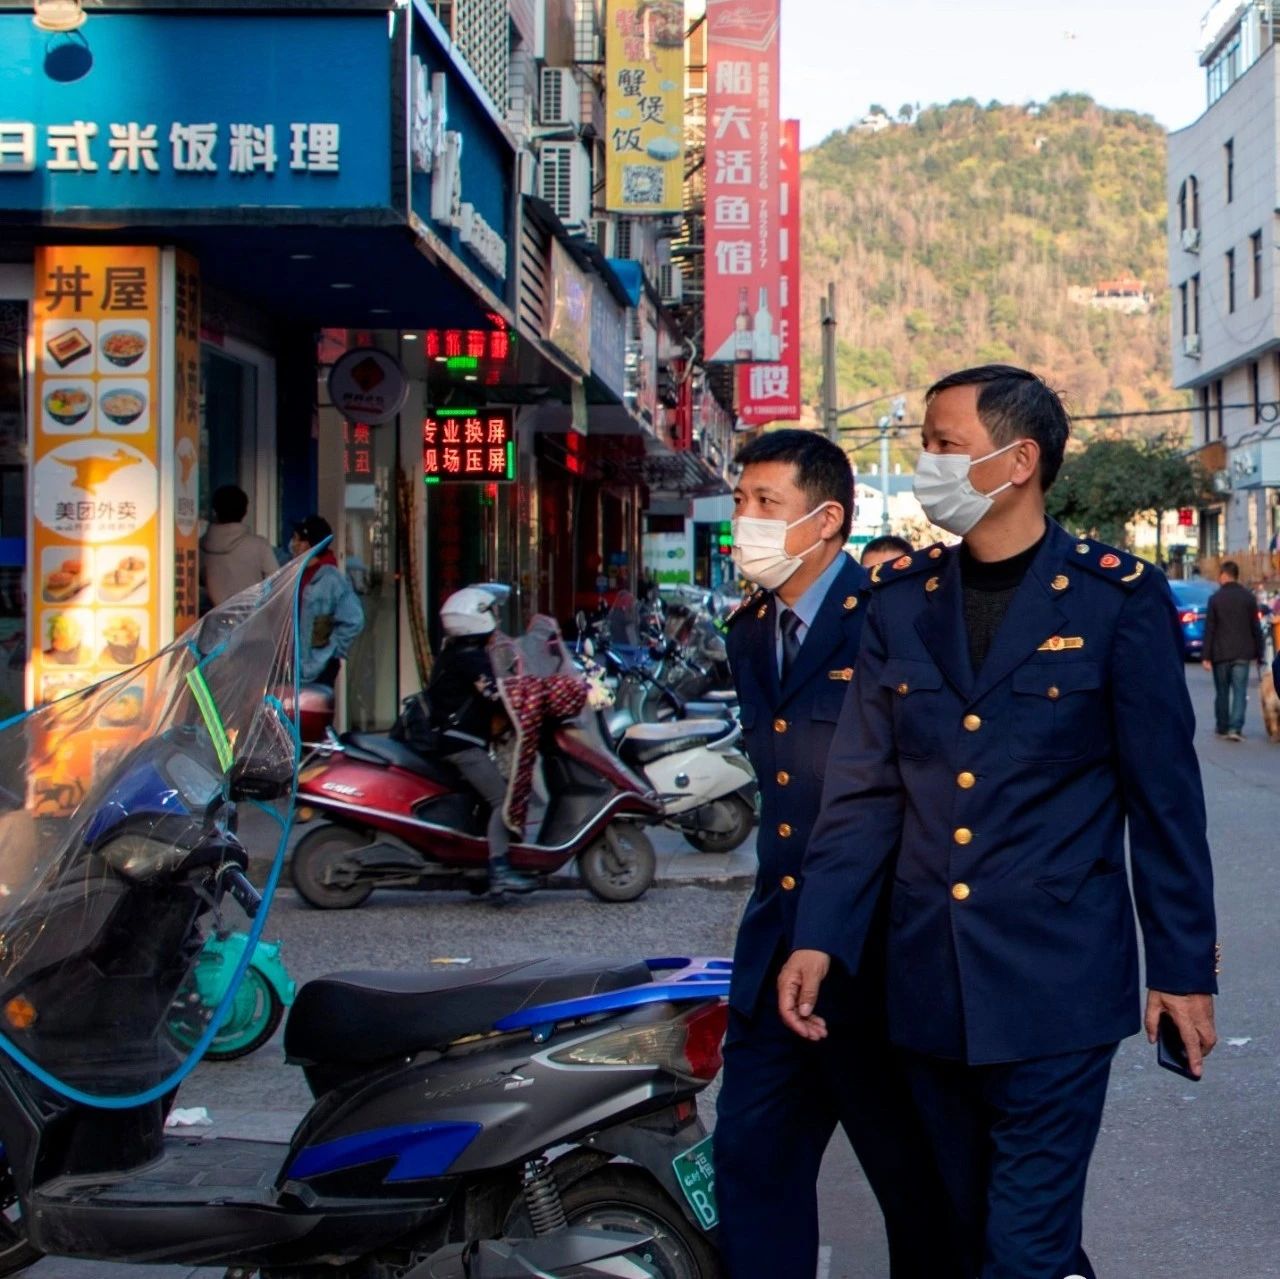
(1195, 304)
(1182, 290)
(1189, 206)
(1202, 394)
(1229, 154)
(1217, 401)
(1255, 389)
(1255, 248)
(1225, 66)
(1231, 279)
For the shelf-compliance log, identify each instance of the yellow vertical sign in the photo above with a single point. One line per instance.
(186, 440)
(94, 544)
(644, 105)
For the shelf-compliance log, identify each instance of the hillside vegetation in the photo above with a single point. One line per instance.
(954, 240)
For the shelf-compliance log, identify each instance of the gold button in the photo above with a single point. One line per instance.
(966, 781)
(784, 779)
(779, 725)
(972, 723)
(788, 883)
(903, 689)
(1061, 582)
(850, 603)
(963, 836)
(960, 892)
(784, 831)
(936, 553)
(1054, 692)
(931, 585)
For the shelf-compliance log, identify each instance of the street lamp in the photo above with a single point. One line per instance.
(887, 426)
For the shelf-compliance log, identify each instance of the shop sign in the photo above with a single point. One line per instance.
(469, 445)
(608, 342)
(569, 324)
(644, 102)
(245, 118)
(461, 166)
(184, 475)
(368, 385)
(771, 392)
(742, 181)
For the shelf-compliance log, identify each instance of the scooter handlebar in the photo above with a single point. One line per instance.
(238, 885)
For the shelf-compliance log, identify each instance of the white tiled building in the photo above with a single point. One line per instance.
(1224, 200)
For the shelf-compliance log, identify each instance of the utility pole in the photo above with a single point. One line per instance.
(830, 420)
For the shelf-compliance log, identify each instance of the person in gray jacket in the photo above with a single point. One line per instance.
(1232, 639)
(232, 557)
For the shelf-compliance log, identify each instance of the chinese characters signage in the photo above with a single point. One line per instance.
(469, 445)
(186, 440)
(249, 120)
(644, 101)
(95, 427)
(742, 181)
(569, 324)
(771, 392)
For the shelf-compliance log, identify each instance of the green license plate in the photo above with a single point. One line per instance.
(697, 1177)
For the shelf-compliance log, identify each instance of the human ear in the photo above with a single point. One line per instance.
(1026, 462)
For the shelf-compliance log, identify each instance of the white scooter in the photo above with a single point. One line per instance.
(706, 784)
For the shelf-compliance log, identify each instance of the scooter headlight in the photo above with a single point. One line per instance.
(139, 858)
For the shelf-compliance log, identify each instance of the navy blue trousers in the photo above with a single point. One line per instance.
(780, 1101)
(1013, 1144)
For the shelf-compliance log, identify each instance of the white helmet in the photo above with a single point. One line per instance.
(469, 611)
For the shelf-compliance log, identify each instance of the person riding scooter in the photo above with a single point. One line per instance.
(465, 703)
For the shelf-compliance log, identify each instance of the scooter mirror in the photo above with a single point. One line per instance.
(588, 648)
(261, 779)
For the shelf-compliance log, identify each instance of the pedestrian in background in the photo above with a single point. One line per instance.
(330, 616)
(793, 647)
(232, 556)
(883, 550)
(1232, 642)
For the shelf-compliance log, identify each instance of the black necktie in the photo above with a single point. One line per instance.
(790, 624)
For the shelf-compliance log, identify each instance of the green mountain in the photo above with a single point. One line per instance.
(979, 233)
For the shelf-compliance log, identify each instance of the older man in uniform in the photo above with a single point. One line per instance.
(793, 648)
(1020, 701)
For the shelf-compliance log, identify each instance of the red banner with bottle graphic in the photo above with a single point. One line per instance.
(771, 392)
(742, 267)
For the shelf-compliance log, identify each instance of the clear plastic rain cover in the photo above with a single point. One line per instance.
(122, 808)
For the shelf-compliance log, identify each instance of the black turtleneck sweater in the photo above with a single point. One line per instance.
(989, 588)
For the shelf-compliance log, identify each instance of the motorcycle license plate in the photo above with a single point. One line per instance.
(697, 1177)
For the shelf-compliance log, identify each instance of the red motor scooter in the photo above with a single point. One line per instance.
(391, 817)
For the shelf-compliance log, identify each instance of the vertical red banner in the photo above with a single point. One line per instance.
(771, 392)
(742, 270)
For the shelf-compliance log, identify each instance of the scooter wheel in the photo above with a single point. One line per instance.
(322, 871)
(742, 819)
(256, 1014)
(620, 865)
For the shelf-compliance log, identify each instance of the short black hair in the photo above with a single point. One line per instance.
(823, 472)
(230, 504)
(1231, 569)
(1016, 404)
(889, 543)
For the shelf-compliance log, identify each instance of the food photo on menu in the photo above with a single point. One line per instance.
(66, 575)
(125, 579)
(122, 637)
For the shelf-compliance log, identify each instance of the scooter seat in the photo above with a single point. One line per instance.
(709, 710)
(360, 1018)
(377, 748)
(644, 743)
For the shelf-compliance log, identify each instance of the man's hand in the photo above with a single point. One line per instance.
(798, 984)
(1207, 664)
(1193, 1016)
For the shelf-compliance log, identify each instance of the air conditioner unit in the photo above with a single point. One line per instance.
(564, 182)
(603, 232)
(1191, 345)
(669, 227)
(672, 284)
(1220, 481)
(1191, 239)
(559, 99)
(627, 241)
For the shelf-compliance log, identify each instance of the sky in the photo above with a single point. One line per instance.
(840, 56)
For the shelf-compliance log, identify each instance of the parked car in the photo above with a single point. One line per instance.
(1191, 599)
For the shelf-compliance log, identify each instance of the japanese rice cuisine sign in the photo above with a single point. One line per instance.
(95, 433)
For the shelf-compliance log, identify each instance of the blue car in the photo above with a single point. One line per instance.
(1191, 599)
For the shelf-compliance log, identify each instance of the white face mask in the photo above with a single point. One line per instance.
(943, 488)
(760, 548)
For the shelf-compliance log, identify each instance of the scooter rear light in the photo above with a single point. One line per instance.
(688, 1046)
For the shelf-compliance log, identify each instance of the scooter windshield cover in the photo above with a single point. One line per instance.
(123, 807)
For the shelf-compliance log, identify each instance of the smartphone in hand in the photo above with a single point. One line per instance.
(1171, 1052)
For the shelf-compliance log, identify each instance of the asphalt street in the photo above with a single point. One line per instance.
(1184, 1180)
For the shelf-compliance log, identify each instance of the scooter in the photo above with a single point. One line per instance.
(536, 1119)
(393, 817)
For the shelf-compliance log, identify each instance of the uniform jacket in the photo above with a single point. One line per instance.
(1006, 797)
(787, 731)
(331, 617)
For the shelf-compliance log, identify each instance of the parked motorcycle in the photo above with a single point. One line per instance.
(537, 1118)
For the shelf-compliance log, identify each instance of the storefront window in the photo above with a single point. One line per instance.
(13, 506)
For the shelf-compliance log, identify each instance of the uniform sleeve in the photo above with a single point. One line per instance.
(1163, 793)
(860, 823)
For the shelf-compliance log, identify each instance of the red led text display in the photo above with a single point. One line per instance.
(469, 445)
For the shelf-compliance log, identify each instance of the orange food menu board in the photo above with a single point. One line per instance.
(95, 544)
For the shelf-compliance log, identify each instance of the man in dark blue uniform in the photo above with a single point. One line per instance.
(1020, 701)
(793, 647)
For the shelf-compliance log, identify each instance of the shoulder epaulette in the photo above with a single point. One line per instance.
(907, 565)
(752, 604)
(1110, 563)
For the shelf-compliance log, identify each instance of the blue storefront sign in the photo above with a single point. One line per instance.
(462, 161)
(233, 113)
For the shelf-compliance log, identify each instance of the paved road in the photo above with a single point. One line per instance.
(1184, 1181)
